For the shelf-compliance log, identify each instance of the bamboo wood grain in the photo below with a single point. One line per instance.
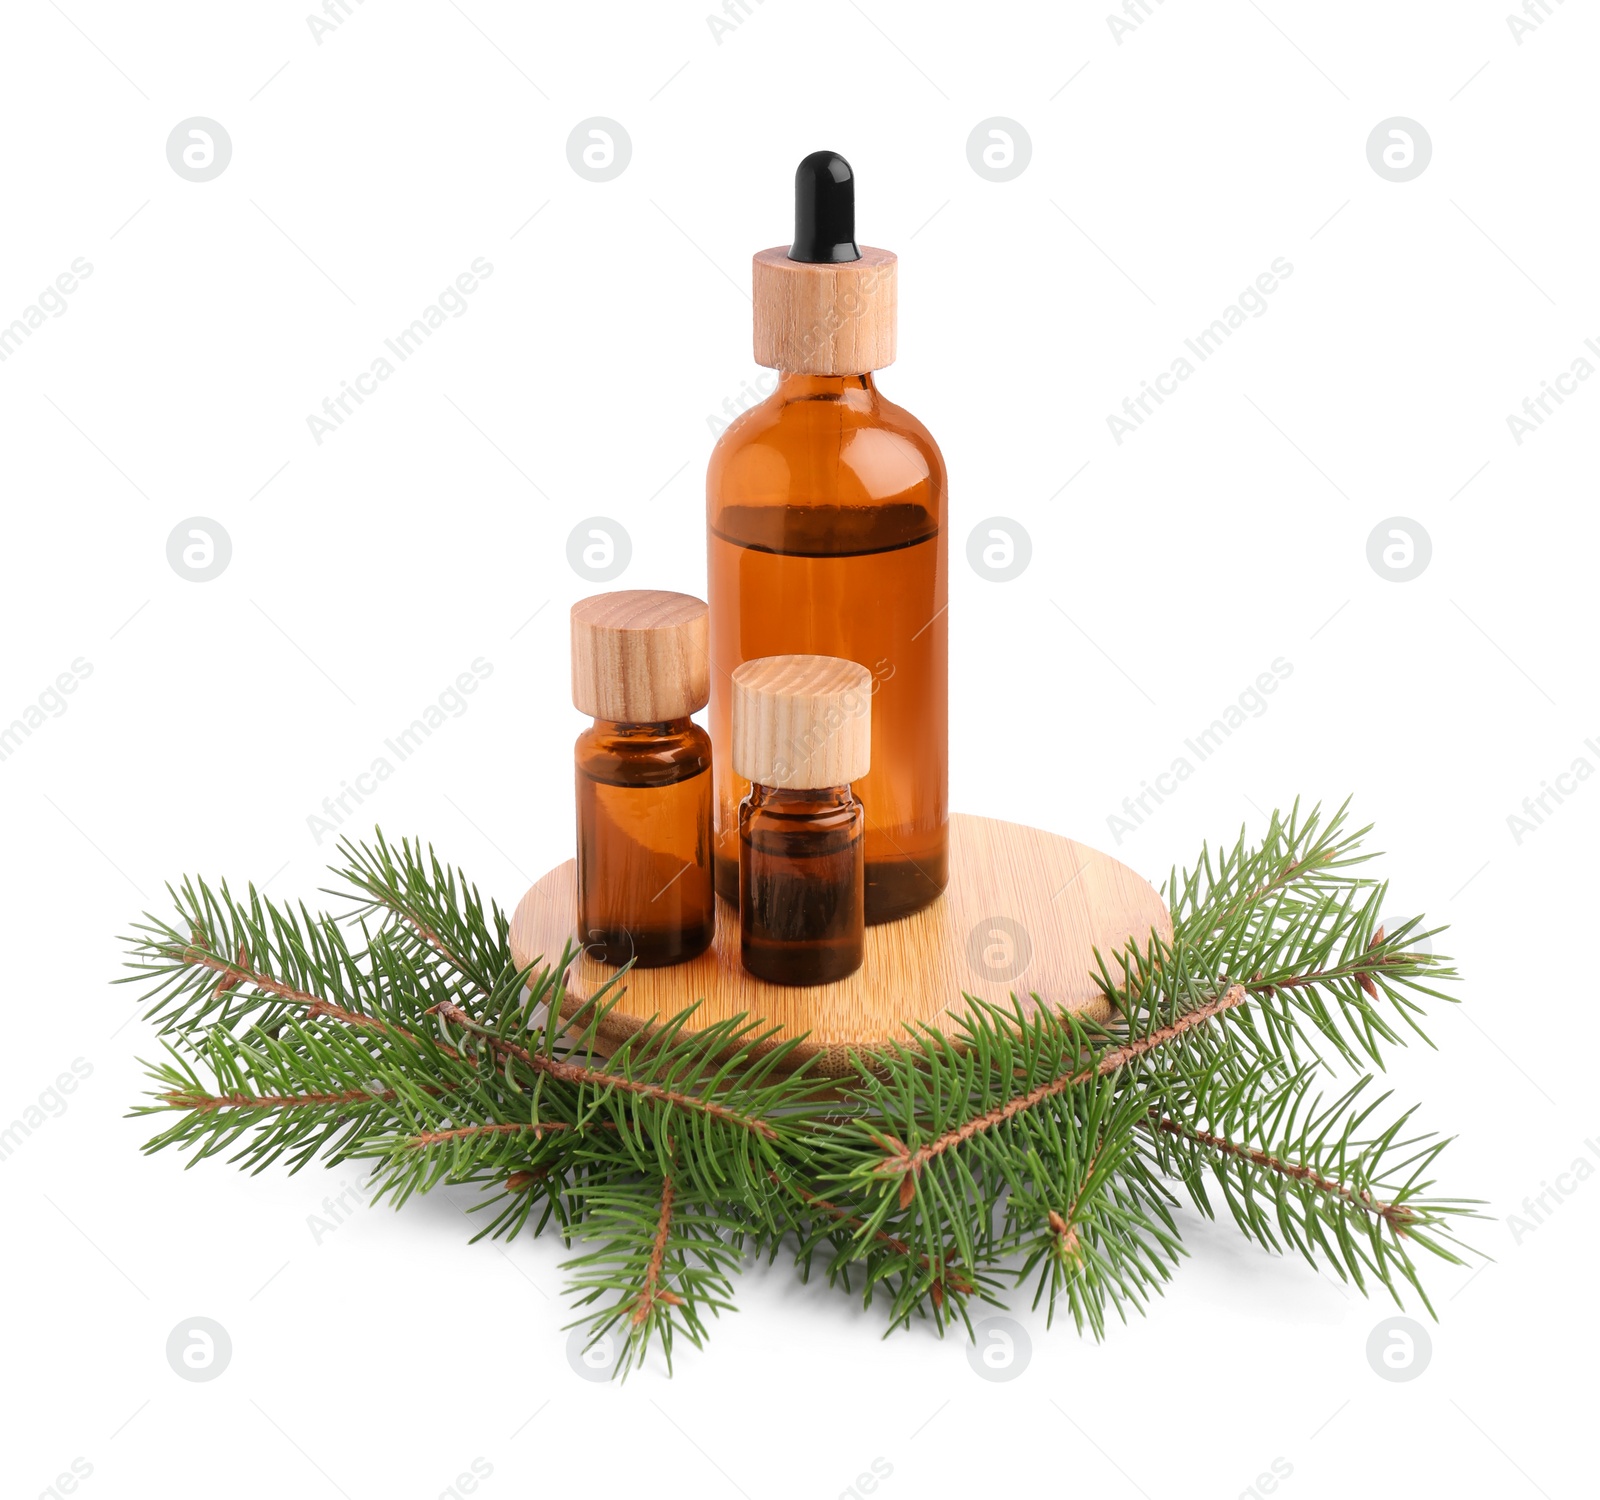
(639, 655)
(802, 721)
(836, 318)
(1023, 913)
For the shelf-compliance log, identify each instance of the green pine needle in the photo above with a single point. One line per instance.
(1034, 1148)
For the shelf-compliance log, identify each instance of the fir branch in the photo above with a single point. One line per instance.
(939, 1282)
(602, 1079)
(1396, 1215)
(651, 1292)
(311, 1088)
(300, 960)
(1068, 1245)
(662, 1265)
(1308, 981)
(203, 1103)
(239, 973)
(431, 904)
(1113, 1245)
(1323, 1179)
(538, 1129)
(1295, 854)
(906, 1164)
(1031, 1145)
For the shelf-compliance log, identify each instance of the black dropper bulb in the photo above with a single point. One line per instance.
(824, 210)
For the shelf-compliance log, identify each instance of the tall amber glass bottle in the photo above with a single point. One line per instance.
(827, 519)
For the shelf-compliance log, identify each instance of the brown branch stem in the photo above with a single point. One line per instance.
(907, 1164)
(315, 1005)
(942, 1281)
(1065, 1225)
(1395, 1215)
(599, 1078)
(652, 1292)
(427, 934)
(1277, 882)
(391, 901)
(1324, 854)
(470, 1132)
(1356, 968)
(204, 1103)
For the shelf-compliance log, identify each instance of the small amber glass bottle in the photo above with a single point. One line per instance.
(639, 666)
(802, 732)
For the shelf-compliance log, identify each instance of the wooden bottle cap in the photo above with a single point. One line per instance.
(802, 721)
(833, 318)
(639, 656)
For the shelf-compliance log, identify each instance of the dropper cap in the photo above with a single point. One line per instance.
(824, 305)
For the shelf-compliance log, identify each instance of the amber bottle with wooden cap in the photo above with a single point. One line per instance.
(643, 778)
(802, 733)
(827, 519)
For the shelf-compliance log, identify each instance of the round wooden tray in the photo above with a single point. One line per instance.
(1023, 914)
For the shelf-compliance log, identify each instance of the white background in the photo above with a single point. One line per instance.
(1167, 172)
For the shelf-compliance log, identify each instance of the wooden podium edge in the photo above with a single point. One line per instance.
(1102, 905)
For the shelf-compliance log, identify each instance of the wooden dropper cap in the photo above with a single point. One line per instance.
(823, 306)
(802, 721)
(639, 656)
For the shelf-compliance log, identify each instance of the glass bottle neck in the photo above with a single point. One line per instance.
(818, 797)
(853, 390)
(658, 729)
